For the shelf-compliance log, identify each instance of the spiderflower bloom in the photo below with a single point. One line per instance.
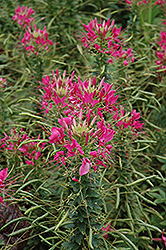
(106, 38)
(23, 16)
(160, 2)
(161, 53)
(83, 136)
(23, 145)
(36, 40)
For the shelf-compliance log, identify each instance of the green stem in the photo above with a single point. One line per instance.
(84, 214)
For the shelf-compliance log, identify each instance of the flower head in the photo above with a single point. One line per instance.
(3, 176)
(36, 40)
(23, 16)
(105, 38)
(23, 145)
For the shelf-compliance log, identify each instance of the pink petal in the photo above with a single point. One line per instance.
(1, 200)
(74, 179)
(3, 174)
(84, 169)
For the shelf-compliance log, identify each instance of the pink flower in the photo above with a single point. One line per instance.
(37, 155)
(84, 169)
(36, 40)
(160, 2)
(163, 238)
(106, 229)
(22, 16)
(161, 54)
(57, 135)
(125, 63)
(3, 176)
(1, 200)
(65, 122)
(2, 82)
(28, 149)
(30, 163)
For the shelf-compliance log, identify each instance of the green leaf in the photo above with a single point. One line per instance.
(80, 217)
(82, 227)
(161, 160)
(79, 238)
(163, 168)
(89, 202)
(163, 223)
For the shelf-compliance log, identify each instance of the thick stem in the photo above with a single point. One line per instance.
(85, 214)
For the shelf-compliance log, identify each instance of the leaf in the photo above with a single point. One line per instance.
(89, 202)
(80, 217)
(21, 230)
(163, 223)
(163, 168)
(129, 242)
(82, 227)
(163, 159)
(79, 238)
(162, 193)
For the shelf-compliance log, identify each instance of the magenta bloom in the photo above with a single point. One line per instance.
(65, 121)
(29, 151)
(22, 16)
(57, 135)
(106, 229)
(104, 37)
(1, 200)
(2, 82)
(161, 62)
(36, 40)
(3, 176)
(84, 169)
(163, 238)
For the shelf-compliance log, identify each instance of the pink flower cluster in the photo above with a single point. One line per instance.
(35, 40)
(23, 16)
(105, 38)
(129, 120)
(23, 145)
(3, 176)
(83, 134)
(161, 54)
(2, 82)
(160, 2)
(55, 91)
